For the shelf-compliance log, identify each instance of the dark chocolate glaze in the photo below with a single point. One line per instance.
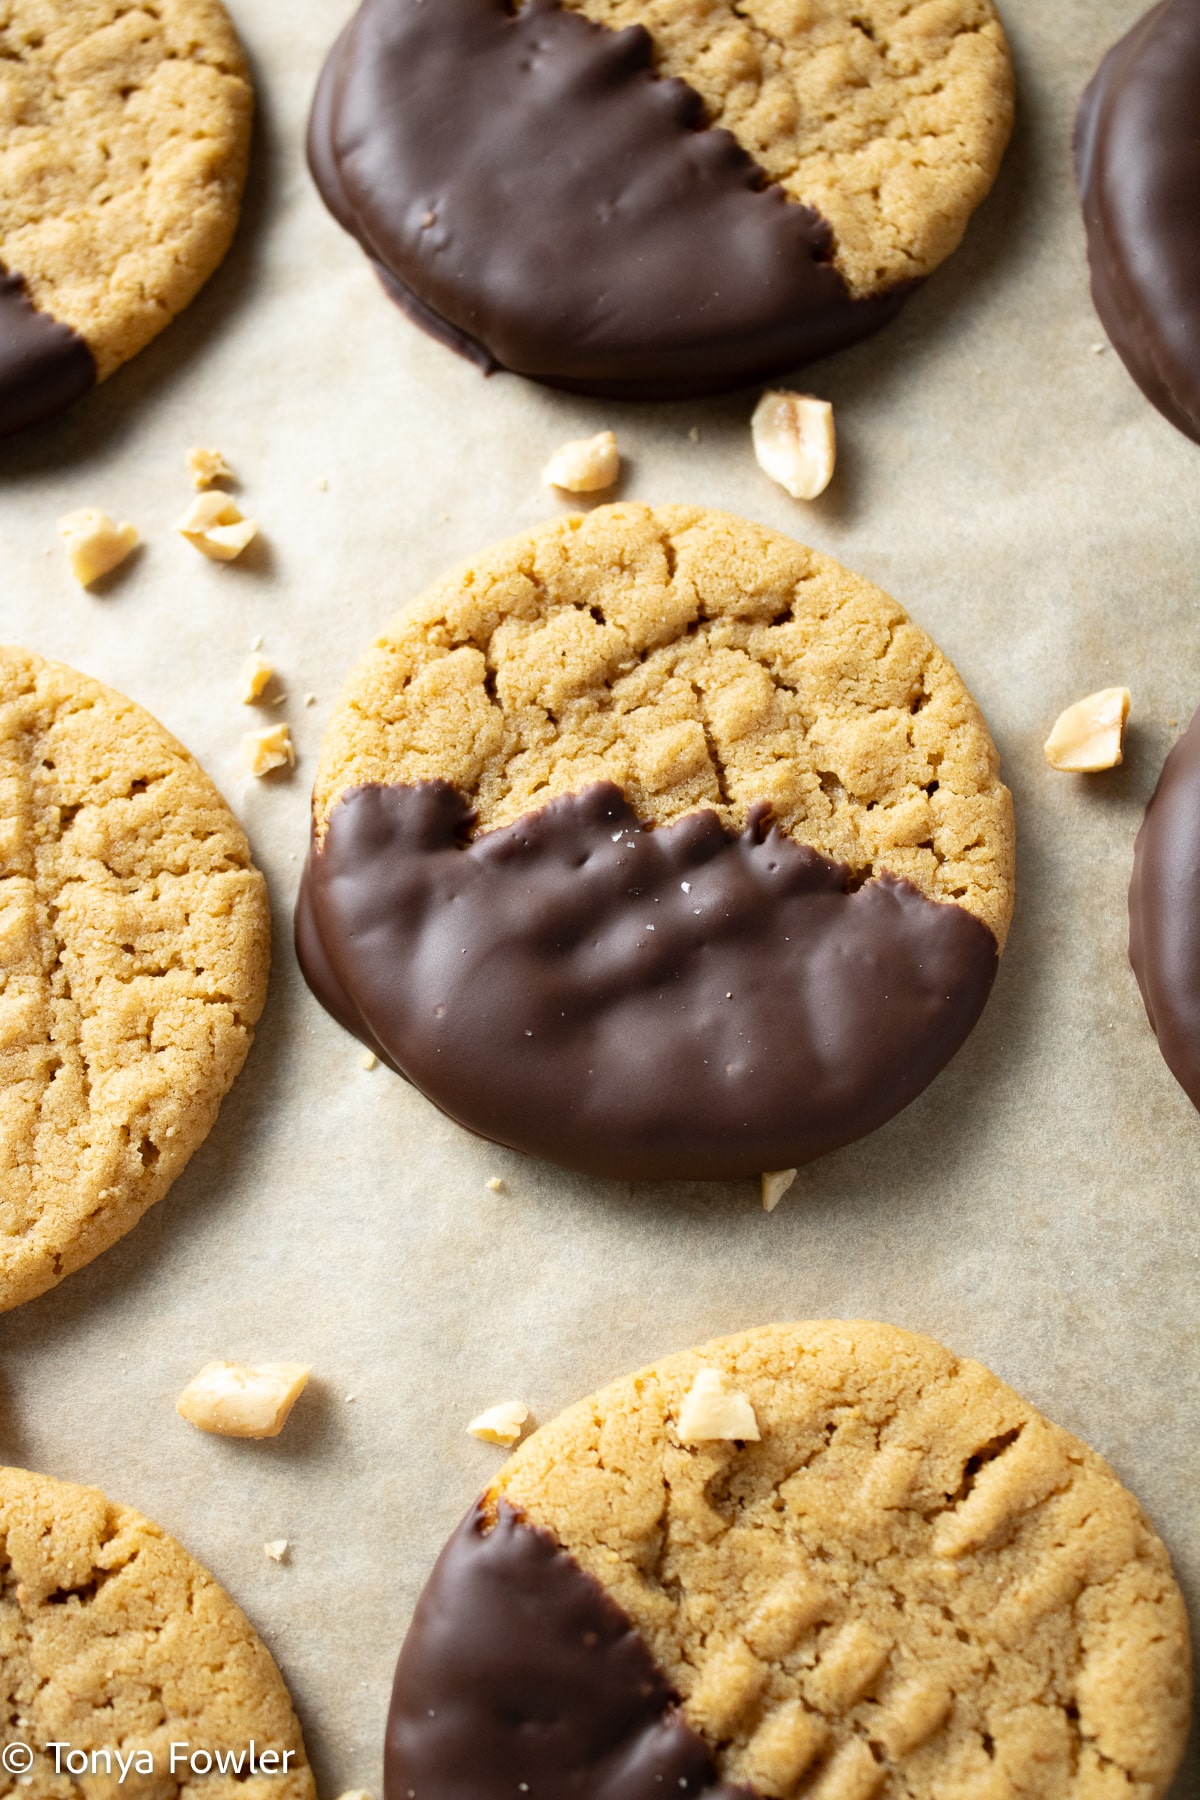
(520, 1675)
(1137, 162)
(636, 1003)
(44, 366)
(1164, 911)
(536, 197)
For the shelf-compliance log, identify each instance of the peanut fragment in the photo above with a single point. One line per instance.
(714, 1408)
(794, 442)
(584, 465)
(256, 673)
(500, 1424)
(774, 1186)
(1088, 736)
(95, 544)
(207, 466)
(268, 749)
(234, 1400)
(214, 525)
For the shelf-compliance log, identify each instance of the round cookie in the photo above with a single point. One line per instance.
(735, 189)
(115, 1642)
(135, 946)
(126, 132)
(1164, 932)
(899, 1582)
(1137, 162)
(659, 845)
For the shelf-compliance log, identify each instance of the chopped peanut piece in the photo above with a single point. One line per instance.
(277, 1549)
(495, 1184)
(213, 525)
(500, 1424)
(94, 543)
(794, 442)
(584, 465)
(357, 1794)
(269, 749)
(207, 466)
(235, 1401)
(256, 673)
(774, 1186)
(713, 1408)
(368, 1059)
(1087, 737)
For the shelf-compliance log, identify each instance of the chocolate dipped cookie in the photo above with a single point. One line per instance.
(1164, 930)
(823, 1560)
(658, 845)
(136, 942)
(653, 197)
(126, 132)
(124, 1668)
(1137, 161)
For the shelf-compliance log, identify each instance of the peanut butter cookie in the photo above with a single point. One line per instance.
(897, 1581)
(658, 844)
(134, 946)
(124, 136)
(125, 1668)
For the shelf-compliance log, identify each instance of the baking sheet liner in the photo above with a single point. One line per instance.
(1003, 477)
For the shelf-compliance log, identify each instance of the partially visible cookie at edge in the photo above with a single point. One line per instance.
(124, 140)
(134, 944)
(909, 1584)
(658, 844)
(114, 1642)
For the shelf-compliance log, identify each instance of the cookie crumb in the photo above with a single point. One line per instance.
(794, 442)
(257, 643)
(310, 699)
(276, 1549)
(713, 1408)
(368, 1059)
(1099, 349)
(1088, 736)
(268, 749)
(775, 1185)
(235, 1400)
(357, 1794)
(95, 543)
(500, 1424)
(207, 466)
(495, 1184)
(585, 465)
(256, 673)
(216, 527)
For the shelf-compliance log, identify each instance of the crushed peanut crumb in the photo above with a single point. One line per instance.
(1088, 736)
(268, 749)
(276, 1549)
(495, 1184)
(234, 1400)
(95, 544)
(713, 1408)
(207, 466)
(500, 1424)
(368, 1059)
(215, 526)
(256, 674)
(774, 1186)
(585, 465)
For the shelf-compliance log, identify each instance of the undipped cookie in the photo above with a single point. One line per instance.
(659, 197)
(902, 1584)
(659, 845)
(116, 1644)
(124, 136)
(1137, 160)
(134, 946)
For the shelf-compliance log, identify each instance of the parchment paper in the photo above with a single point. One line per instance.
(1035, 1209)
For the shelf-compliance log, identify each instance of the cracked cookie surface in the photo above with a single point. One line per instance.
(888, 117)
(113, 1638)
(697, 661)
(134, 947)
(914, 1586)
(124, 137)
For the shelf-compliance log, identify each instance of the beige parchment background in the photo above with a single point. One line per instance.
(1035, 1209)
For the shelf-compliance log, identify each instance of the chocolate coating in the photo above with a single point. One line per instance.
(1137, 162)
(1164, 911)
(44, 366)
(519, 1672)
(635, 1003)
(532, 194)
